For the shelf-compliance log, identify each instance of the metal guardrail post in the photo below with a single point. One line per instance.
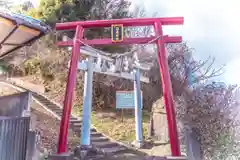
(31, 145)
(193, 146)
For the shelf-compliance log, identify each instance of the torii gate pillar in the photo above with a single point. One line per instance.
(162, 60)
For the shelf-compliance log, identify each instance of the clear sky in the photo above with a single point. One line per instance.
(211, 27)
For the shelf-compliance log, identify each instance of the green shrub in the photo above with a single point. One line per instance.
(31, 66)
(47, 71)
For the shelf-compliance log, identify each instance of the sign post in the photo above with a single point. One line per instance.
(133, 100)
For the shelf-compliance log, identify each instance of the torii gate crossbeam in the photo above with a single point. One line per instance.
(162, 60)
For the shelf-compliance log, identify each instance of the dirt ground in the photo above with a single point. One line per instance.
(5, 90)
(48, 128)
(44, 124)
(114, 127)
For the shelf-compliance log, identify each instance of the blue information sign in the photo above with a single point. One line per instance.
(125, 100)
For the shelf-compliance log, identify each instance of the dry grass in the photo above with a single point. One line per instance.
(124, 130)
(112, 124)
(117, 127)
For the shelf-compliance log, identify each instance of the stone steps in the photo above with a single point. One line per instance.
(97, 139)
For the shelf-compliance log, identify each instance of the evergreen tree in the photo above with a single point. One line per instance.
(54, 11)
(23, 8)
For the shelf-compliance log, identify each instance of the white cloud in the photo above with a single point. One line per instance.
(232, 72)
(211, 27)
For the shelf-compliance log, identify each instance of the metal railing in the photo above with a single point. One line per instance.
(14, 125)
(13, 137)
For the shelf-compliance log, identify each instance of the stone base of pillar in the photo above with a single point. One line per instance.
(165, 158)
(84, 151)
(138, 144)
(176, 158)
(64, 156)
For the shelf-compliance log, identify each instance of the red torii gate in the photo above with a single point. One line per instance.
(162, 60)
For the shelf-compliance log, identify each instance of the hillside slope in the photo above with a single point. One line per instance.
(43, 123)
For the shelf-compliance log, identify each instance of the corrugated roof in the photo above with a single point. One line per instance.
(17, 31)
